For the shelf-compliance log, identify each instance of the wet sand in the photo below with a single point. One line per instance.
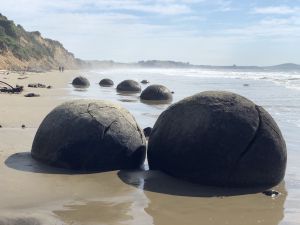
(31, 193)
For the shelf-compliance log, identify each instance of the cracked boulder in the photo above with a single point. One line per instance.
(90, 136)
(218, 138)
(80, 82)
(156, 92)
(129, 86)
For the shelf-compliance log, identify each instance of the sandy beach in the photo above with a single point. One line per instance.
(31, 193)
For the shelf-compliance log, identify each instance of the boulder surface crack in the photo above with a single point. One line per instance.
(90, 112)
(249, 146)
(134, 126)
(106, 129)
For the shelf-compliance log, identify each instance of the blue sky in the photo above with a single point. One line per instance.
(220, 32)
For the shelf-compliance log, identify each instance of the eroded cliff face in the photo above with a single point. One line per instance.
(20, 49)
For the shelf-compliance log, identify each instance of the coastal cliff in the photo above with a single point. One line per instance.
(20, 49)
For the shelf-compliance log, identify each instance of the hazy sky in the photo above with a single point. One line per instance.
(219, 32)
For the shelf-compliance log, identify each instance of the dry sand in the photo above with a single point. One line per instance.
(35, 194)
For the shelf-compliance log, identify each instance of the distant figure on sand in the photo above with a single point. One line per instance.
(61, 68)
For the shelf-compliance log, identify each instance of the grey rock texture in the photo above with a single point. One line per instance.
(129, 86)
(218, 138)
(90, 135)
(29, 95)
(81, 82)
(37, 85)
(156, 92)
(106, 83)
(144, 82)
(147, 131)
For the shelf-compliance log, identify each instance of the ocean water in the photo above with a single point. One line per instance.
(277, 92)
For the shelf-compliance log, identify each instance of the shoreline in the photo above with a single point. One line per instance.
(32, 193)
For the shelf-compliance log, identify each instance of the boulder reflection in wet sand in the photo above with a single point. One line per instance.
(128, 97)
(211, 206)
(127, 208)
(101, 212)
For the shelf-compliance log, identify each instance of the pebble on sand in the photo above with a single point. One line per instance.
(145, 82)
(32, 95)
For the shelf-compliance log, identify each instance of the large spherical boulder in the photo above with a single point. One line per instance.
(106, 83)
(156, 92)
(129, 86)
(218, 138)
(80, 82)
(90, 135)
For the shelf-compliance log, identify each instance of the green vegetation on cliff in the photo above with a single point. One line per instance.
(31, 48)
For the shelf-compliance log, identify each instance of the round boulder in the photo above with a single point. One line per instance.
(129, 86)
(106, 83)
(147, 131)
(90, 136)
(156, 92)
(144, 82)
(218, 138)
(80, 82)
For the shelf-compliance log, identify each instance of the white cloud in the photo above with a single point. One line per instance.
(130, 30)
(173, 9)
(280, 10)
(268, 28)
(224, 5)
(163, 7)
(156, 7)
(191, 19)
(275, 22)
